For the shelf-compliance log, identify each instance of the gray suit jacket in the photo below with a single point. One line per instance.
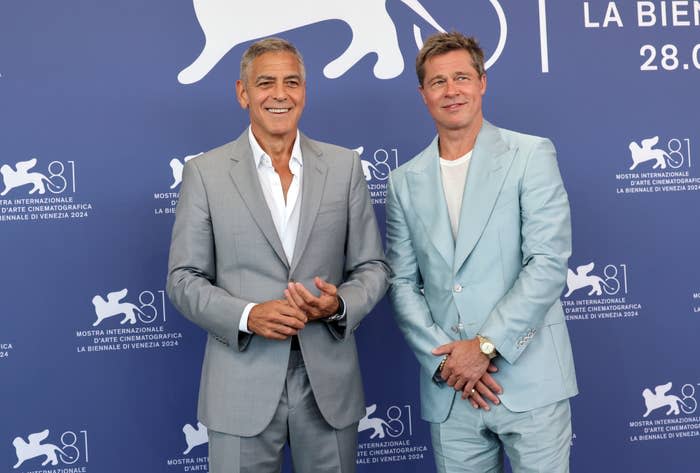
(225, 253)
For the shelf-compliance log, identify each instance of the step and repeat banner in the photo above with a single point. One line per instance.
(101, 103)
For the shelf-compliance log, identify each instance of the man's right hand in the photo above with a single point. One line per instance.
(276, 320)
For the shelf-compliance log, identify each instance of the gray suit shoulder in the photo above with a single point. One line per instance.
(215, 159)
(329, 150)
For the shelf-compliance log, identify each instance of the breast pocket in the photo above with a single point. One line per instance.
(507, 198)
(331, 216)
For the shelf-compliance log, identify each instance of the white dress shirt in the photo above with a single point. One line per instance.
(285, 214)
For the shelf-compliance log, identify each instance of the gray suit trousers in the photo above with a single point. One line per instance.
(316, 447)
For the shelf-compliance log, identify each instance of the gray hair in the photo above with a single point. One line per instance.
(269, 45)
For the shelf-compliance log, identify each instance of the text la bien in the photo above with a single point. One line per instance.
(659, 13)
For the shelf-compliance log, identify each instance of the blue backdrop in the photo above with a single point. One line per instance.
(100, 103)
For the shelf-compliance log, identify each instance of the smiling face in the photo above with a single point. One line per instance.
(452, 91)
(274, 92)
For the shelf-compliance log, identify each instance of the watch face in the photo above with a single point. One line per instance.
(487, 348)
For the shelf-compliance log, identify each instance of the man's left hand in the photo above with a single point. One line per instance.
(325, 305)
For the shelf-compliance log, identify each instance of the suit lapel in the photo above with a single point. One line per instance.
(489, 165)
(312, 185)
(429, 203)
(245, 178)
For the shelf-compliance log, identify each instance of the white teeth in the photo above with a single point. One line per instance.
(278, 110)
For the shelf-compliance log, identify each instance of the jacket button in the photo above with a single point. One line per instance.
(458, 287)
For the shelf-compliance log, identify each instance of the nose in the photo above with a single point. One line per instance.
(279, 93)
(451, 88)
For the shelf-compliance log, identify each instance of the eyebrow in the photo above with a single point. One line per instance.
(444, 76)
(273, 78)
(432, 78)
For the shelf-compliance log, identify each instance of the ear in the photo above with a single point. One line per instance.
(422, 94)
(483, 84)
(242, 94)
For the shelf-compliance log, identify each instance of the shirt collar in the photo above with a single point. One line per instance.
(261, 157)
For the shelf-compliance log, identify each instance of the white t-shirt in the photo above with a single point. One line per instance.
(454, 177)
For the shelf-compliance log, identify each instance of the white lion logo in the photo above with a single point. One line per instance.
(646, 152)
(368, 169)
(659, 399)
(34, 448)
(194, 437)
(22, 177)
(581, 278)
(228, 23)
(177, 166)
(377, 424)
(112, 306)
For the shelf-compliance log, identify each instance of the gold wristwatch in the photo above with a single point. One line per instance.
(487, 347)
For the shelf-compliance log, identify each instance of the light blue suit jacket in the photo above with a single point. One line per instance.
(503, 276)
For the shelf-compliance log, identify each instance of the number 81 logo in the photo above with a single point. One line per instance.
(74, 446)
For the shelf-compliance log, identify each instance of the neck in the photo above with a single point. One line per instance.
(454, 144)
(277, 147)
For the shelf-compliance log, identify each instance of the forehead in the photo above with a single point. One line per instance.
(448, 63)
(276, 63)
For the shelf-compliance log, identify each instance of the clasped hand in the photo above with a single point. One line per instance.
(468, 370)
(325, 305)
(283, 318)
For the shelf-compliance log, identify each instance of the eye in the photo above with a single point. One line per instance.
(437, 83)
(265, 84)
(462, 78)
(293, 83)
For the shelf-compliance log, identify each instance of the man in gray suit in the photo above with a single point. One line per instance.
(276, 254)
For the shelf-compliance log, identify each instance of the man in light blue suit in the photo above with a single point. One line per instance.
(478, 238)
